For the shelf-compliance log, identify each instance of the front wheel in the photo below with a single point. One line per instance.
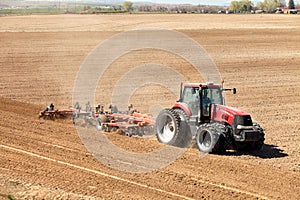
(209, 140)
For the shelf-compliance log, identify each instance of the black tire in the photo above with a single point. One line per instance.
(169, 129)
(185, 130)
(209, 139)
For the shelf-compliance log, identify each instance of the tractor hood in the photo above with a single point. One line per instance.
(231, 110)
(225, 113)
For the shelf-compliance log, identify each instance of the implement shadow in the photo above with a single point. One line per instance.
(268, 151)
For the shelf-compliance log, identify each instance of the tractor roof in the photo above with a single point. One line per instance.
(208, 84)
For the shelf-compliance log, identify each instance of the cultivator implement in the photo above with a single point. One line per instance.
(55, 114)
(130, 122)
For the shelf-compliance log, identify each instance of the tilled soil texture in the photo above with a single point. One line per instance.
(39, 60)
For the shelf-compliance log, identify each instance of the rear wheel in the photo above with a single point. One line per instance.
(185, 130)
(209, 140)
(170, 129)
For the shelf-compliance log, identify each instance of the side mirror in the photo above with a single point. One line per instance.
(234, 90)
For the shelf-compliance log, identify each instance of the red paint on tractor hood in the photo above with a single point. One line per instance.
(231, 111)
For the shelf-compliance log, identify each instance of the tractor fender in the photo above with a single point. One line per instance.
(184, 107)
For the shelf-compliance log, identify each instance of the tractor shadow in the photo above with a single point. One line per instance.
(268, 151)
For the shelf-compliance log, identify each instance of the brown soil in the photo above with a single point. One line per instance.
(39, 60)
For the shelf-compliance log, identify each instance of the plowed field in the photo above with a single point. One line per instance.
(41, 55)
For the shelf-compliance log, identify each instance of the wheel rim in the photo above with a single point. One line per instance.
(167, 131)
(206, 139)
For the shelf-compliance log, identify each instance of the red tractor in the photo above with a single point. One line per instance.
(200, 112)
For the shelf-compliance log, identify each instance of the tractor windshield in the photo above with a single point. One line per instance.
(214, 95)
(210, 96)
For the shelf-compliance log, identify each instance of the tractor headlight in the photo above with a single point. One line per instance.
(244, 127)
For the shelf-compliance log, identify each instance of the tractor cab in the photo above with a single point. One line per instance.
(196, 100)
